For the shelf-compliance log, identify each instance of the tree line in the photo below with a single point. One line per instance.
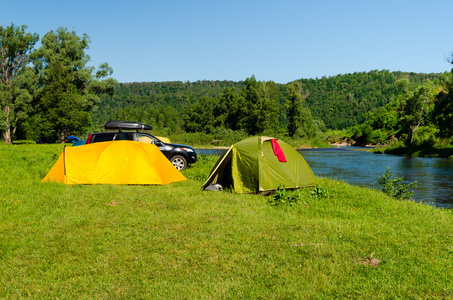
(51, 92)
(301, 108)
(250, 106)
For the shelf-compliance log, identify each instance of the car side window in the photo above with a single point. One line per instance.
(142, 138)
(103, 137)
(123, 136)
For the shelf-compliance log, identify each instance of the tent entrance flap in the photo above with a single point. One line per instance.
(217, 174)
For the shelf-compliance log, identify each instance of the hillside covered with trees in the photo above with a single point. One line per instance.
(417, 122)
(344, 100)
(334, 102)
(376, 107)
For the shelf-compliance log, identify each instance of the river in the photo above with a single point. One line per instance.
(434, 176)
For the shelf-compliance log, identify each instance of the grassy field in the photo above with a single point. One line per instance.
(175, 241)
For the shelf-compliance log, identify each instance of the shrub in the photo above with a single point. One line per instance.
(284, 197)
(393, 187)
(319, 192)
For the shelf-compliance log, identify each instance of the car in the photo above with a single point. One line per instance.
(179, 155)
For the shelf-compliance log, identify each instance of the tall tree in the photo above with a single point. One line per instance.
(199, 116)
(15, 80)
(230, 109)
(298, 116)
(443, 109)
(414, 105)
(67, 88)
(261, 105)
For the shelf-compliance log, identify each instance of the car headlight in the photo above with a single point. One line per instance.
(187, 149)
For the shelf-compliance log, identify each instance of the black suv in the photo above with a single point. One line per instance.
(179, 155)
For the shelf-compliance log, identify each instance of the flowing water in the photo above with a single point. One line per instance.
(434, 175)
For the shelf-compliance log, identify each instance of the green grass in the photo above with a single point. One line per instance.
(175, 241)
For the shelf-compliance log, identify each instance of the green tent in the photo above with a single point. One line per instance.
(255, 165)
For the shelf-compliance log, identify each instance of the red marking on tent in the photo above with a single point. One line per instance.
(278, 151)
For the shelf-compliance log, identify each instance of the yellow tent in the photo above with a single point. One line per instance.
(118, 162)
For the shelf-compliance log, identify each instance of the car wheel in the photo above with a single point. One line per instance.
(179, 162)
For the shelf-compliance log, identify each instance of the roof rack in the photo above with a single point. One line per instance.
(127, 125)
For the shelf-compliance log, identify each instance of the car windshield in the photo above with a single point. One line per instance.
(147, 139)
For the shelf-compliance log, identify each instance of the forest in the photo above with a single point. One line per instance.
(339, 102)
(51, 92)
(373, 107)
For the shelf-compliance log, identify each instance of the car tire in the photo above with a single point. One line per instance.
(179, 162)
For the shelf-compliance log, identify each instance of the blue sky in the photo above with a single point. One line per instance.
(282, 41)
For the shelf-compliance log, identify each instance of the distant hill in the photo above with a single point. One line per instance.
(339, 101)
(342, 101)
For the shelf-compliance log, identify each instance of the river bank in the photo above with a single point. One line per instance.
(415, 151)
(393, 147)
(363, 168)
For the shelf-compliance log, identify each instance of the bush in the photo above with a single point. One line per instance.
(284, 197)
(425, 137)
(319, 192)
(197, 138)
(393, 187)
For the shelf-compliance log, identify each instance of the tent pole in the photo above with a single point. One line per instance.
(64, 159)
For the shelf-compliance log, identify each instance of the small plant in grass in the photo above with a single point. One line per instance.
(394, 188)
(6, 206)
(284, 197)
(319, 192)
